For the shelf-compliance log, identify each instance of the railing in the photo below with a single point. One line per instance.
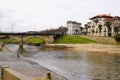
(9, 74)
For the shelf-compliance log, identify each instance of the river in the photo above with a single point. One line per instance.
(74, 65)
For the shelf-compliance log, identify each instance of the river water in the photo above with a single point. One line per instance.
(74, 65)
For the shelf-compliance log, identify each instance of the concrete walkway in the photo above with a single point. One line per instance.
(26, 67)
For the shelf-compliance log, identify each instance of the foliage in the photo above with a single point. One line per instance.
(108, 23)
(117, 38)
(96, 21)
(93, 32)
(100, 28)
(34, 40)
(76, 31)
(116, 30)
(86, 27)
(72, 39)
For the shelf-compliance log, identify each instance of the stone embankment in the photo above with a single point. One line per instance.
(101, 39)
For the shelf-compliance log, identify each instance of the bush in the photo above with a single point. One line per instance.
(117, 38)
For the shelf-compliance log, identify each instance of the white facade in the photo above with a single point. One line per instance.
(101, 20)
(73, 28)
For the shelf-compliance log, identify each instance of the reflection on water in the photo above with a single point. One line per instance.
(75, 65)
(21, 50)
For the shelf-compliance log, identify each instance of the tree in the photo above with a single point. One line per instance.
(108, 24)
(81, 28)
(100, 28)
(117, 38)
(96, 21)
(86, 27)
(76, 31)
(116, 30)
(93, 32)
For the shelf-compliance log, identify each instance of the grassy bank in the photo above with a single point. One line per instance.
(34, 41)
(73, 40)
(9, 40)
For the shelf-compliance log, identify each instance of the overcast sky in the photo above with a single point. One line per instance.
(31, 15)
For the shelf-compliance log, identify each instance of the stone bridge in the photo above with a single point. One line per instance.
(48, 38)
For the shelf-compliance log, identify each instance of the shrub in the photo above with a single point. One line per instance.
(117, 38)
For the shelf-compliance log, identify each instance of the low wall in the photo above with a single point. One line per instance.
(8, 74)
(105, 40)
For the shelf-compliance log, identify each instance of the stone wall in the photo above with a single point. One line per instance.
(8, 74)
(105, 40)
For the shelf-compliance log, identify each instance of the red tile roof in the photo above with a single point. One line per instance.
(102, 16)
(109, 19)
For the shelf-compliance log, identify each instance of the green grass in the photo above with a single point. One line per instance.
(34, 40)
(10, 40)
(73, 40)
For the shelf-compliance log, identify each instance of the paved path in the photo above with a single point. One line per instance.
(26, 67)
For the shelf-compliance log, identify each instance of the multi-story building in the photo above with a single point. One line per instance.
(74, 28)
(104, 25)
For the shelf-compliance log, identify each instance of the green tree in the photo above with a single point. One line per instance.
(93, 32)
(81, 28)
(108, 24)
(86, 27)
(117, 38)
(76, 31)
(100, 28)
(116, 30)
(96, 20)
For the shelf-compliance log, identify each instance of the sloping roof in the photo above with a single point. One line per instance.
(109, 19)
(101, 16)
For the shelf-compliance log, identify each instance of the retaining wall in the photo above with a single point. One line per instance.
(105, 40)
(8, 74)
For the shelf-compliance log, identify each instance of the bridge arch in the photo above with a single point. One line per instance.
(9, 36)
(14, 37)
(22, 37)
(47, 39)
(34, 37)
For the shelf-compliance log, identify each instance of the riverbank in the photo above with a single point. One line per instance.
(93, 47)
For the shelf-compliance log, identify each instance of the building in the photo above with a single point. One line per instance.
(103, 25)
(74, 28)
(116, 24)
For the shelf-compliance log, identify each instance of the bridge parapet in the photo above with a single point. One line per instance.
(21, 36)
